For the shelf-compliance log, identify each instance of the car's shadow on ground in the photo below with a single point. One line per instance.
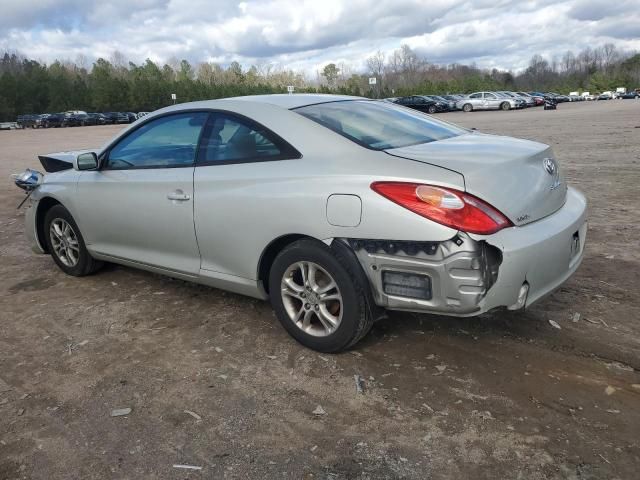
(520, 325)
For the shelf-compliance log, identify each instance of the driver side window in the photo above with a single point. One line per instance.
(166, 142)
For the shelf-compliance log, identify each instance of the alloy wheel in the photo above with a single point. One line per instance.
(311, 298)
(64, 242)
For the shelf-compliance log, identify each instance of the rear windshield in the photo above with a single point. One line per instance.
(379, 125)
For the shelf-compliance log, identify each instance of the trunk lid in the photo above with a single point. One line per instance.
(511, 174)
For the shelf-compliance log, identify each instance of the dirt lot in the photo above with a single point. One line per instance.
(505, 395)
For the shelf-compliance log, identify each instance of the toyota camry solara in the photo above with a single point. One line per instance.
(334, 208)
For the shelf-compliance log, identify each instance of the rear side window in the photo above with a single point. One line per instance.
(232, 139)
(379, 125)
(165, 142)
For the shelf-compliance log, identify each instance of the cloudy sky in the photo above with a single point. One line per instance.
(305, 35)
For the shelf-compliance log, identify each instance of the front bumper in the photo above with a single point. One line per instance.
(471, 274)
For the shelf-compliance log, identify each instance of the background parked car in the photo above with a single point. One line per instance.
(517, 101)
(524, 101)
(99, 118)
(419, 102)
(132, 116)
(455, 97)
(630, 95)
(450, 105)
(558, 98)
(537, 100)
(26, 121)
(116, 117)
(80, 120)
(8, 125)
(52, 120)
(486, 101)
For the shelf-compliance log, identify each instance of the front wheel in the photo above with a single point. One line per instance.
(432, 109)
(505, 106)
(467, 107)
(317, 299)
(66, 244)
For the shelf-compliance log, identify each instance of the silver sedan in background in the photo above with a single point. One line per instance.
(334, 208)
(486, 101)
(527, 101)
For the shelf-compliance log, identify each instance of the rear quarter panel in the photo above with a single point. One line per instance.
(240, 209)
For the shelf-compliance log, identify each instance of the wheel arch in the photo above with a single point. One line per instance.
(270, 253)
(339, 248)
(44, 205)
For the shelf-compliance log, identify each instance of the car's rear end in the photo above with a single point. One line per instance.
(520, 229)
(507, 233)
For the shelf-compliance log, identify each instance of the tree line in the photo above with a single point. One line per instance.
(29, 86)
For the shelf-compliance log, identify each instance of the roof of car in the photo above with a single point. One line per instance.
(281, 100)
(296, 100)
(248, 103)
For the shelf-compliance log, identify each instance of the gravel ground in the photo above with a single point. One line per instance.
(213, 381)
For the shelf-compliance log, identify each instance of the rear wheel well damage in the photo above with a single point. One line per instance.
(44, 205)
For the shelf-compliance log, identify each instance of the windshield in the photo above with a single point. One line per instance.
(379, 125)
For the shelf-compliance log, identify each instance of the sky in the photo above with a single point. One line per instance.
(306, 35)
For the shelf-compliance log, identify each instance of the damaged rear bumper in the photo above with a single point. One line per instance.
(471, 274)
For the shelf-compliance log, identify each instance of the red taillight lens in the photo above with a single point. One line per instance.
(449, 207)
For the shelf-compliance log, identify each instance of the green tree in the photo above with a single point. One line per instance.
(331, 72)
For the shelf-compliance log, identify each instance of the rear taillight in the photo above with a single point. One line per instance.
(446, 206)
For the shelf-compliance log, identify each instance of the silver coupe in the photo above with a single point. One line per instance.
(334, 208)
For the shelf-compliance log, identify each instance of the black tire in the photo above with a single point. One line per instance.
(432, 109)
(86, 264)
(467, 107)
(504, 106)
(356, 318)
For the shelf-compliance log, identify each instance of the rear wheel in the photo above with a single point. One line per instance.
(66, 244)
(505, 106)
(317, 299)
(467, 107)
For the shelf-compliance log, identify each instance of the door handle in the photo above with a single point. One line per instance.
(179, 195)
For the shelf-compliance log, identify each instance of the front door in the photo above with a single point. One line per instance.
(139, 205)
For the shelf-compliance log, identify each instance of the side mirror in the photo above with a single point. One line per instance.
(86, 161)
